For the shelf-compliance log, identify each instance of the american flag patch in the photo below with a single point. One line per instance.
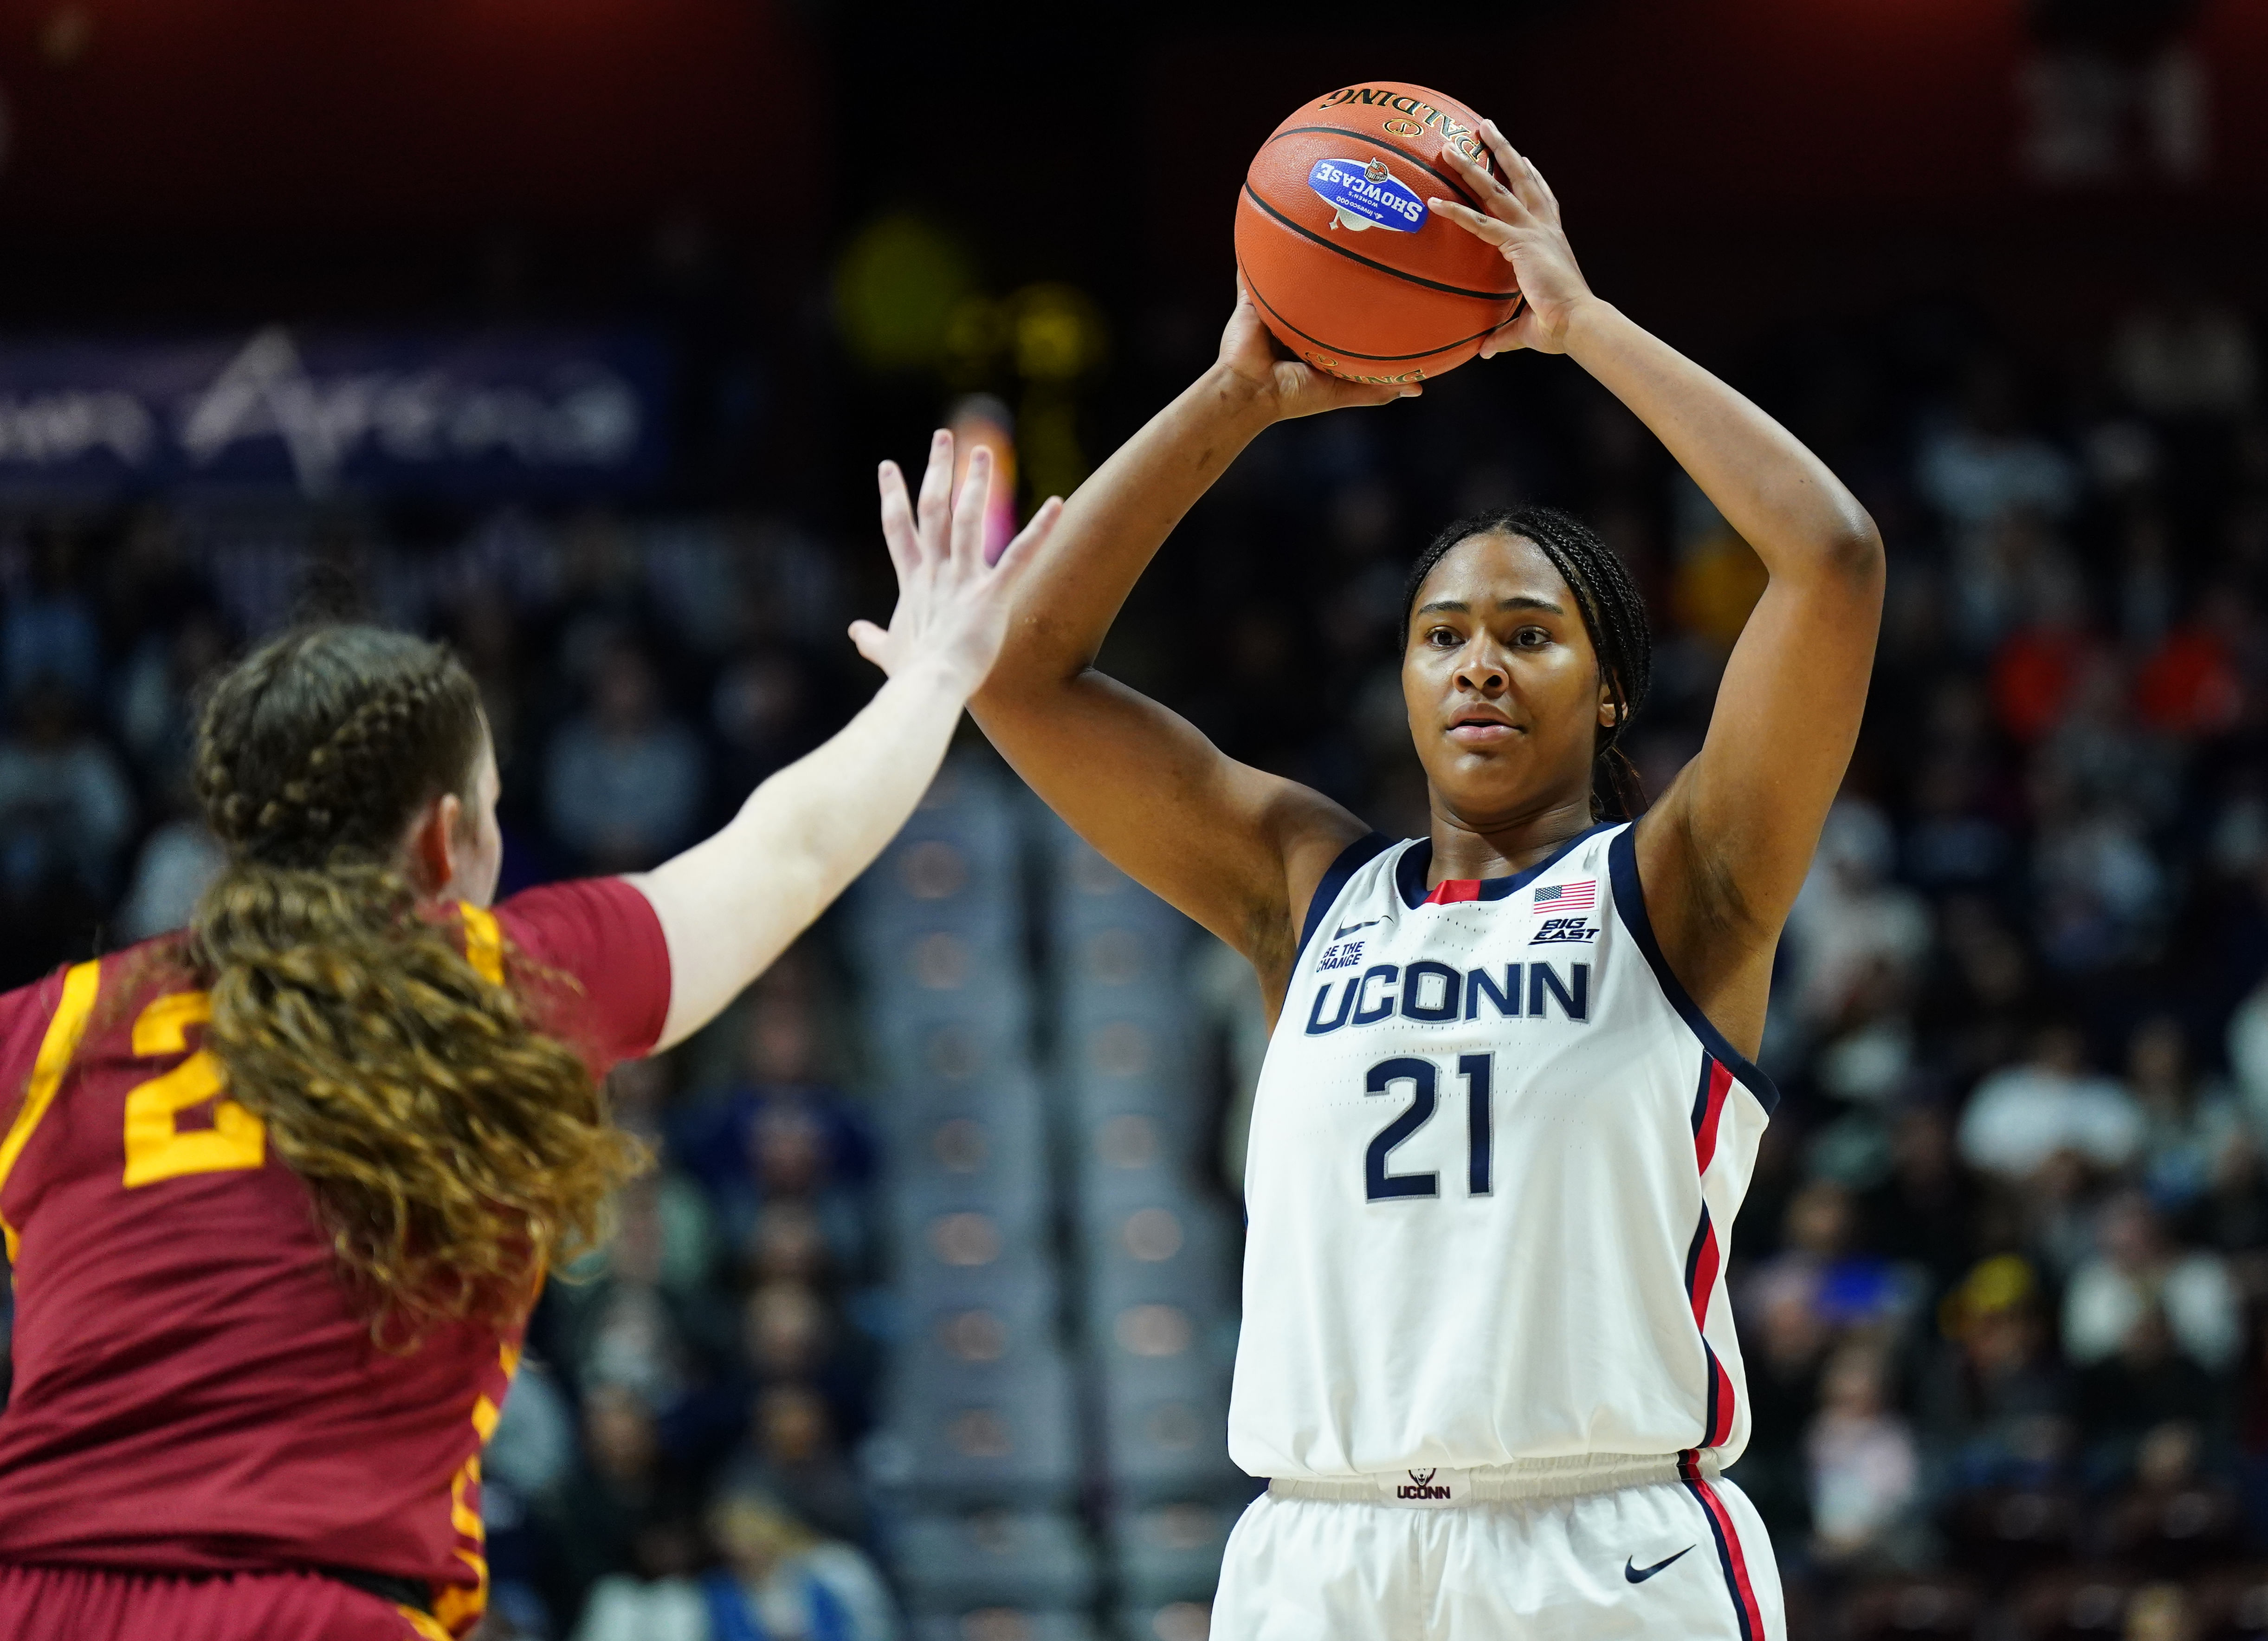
(1569, 896)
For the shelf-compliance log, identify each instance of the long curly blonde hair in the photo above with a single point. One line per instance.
(453, 1150)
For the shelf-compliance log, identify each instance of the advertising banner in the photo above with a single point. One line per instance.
(473, 415)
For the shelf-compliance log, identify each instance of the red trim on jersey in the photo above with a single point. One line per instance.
(1704, 1259)
(1730, 1557)
(1716, 1083)
(1450, 891)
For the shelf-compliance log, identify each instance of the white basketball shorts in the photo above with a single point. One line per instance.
(1421, 1558)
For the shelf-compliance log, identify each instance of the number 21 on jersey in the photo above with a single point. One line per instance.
(1423, 1079)
(157, 1147)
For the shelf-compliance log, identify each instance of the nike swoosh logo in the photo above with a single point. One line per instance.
(1351, 928)
(1640, 1575)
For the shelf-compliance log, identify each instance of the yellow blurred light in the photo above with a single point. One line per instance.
(897, 288)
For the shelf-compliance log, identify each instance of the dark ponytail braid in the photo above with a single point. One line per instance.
(1614, 615)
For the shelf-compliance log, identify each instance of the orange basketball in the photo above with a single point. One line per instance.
(1350, 268)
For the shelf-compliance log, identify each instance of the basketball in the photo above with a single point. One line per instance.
(1348, 268)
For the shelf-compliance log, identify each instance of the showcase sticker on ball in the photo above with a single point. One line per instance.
(1363, 196)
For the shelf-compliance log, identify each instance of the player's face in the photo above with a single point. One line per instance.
(1501, 683)
(479, 846)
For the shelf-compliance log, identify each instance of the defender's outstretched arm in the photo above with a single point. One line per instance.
(731, 904)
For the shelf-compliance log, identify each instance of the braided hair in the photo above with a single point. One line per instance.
(451, 1149)
(1614, 615)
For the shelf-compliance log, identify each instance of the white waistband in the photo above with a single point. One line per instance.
(1440, 1489)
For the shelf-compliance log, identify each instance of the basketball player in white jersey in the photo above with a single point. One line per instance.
(1488, 1365)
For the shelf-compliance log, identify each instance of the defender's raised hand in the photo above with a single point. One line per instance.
(1521, 220)
(952, 608)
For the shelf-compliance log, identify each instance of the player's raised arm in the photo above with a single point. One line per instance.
(1237, 849)
(1723, 851)
(731, 904)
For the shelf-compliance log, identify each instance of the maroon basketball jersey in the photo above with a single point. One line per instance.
(194, 1389)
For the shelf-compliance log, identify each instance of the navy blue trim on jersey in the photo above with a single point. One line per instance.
(1629, 901)
(1693, 1254)
(1409, 871)
(1701, 1097)
(1352, 860)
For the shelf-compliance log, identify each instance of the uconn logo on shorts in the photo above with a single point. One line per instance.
(1421, 1485)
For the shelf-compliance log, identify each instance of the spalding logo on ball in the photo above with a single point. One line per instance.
(1403, 305)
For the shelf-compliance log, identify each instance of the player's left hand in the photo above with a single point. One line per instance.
(952, 606)
(1522, 222)
(1291, 387)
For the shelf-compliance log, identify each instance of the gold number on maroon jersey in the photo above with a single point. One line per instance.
(156, 1148)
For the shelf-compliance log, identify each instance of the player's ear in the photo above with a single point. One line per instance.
(433, 845)
(1609, 714)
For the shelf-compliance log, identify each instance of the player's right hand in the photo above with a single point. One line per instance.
(952, 608)
(1291, 387)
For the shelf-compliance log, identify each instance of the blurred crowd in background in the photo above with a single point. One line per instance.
(2002, 1277)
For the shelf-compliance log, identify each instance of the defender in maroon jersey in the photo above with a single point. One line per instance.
(277, 1190)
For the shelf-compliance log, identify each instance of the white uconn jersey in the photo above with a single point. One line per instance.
(1496, 1152)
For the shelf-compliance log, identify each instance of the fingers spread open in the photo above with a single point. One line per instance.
(1488, 187)
(1521, 178)
(1494, 230)
(969, 510)
(936, 504)
(898, 521)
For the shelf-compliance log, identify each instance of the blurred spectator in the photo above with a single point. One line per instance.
(49, 637)
(1954, 840)
(1864, 1473)
(2039, 658)
(1923, 1211)
(1995, 1402)
(1985, 461)
(1849, 917)
(640, 1314)
(2185, 356)
(2248, 1054)
(793, 1454)
(176, 863)
(1785, 1339)
(2173, 1517)
(2136, 1276)
(2020, 1118)
(623, 782)
(761, 709)
(2144, 1385)
(783, 1582)
(155, 698)
(2187, 1130)
(2192, 685)
(65, 814)
(781, 1135)
(2100, 890)
(624, 1608)
(627, 1509)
